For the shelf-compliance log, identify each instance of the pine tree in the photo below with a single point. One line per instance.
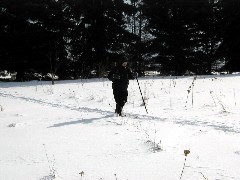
(170, 31)
(231, 39)
(100, 35)
(185, 34)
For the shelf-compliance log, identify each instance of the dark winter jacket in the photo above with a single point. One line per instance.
(120, 76)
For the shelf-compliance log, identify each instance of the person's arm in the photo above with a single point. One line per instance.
(113, 75)
(130, 74)
(110, 75)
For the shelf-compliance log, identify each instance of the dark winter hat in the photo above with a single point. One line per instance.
(121, 61)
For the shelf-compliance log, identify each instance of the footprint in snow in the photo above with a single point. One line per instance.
(19, 115)
(237, 152)
(12, 125)
(16, 124)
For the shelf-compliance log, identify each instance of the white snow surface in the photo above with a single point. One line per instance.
(69, 131)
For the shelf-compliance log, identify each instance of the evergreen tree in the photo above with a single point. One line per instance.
(100, 36)
(136, 25)
(34, 35)
(229, 49)
(171, 40)
(204, 20)
(57, 24)
(15, 42)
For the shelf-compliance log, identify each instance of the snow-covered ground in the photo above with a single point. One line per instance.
(68, 131)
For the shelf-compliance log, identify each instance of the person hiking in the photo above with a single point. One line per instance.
(120, 76)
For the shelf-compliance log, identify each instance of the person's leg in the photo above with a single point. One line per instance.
(116, 97)
(122, 99)
(117, 108)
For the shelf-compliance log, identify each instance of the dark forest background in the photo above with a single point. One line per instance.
(74, 38)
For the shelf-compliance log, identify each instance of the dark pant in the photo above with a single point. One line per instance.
(120, 96)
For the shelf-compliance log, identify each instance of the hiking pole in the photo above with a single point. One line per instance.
(141, 95)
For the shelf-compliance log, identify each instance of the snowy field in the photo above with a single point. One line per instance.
(68, 131)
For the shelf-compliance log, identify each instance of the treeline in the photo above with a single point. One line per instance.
(71, 38)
